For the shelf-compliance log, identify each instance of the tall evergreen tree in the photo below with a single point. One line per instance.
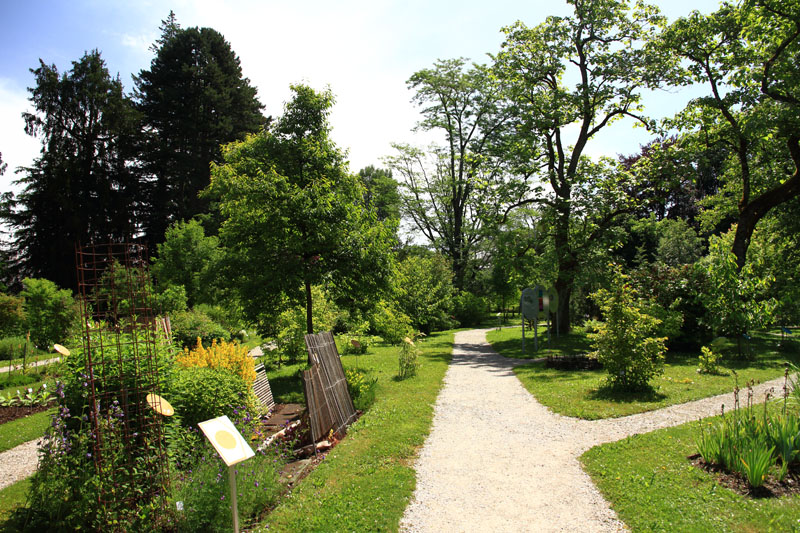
(83, 187)
(194, 99)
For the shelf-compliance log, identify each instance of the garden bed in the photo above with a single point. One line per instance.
(772, 488)
(7, 414)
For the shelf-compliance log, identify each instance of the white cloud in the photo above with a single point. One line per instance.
(18, 149)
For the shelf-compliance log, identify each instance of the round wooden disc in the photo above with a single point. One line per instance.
(61, 349)
(159, 405)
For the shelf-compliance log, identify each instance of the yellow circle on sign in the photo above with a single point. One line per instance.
(225, 439)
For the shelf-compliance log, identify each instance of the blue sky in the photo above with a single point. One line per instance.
(363, 50)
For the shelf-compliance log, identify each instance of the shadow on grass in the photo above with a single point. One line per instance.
(611, 394)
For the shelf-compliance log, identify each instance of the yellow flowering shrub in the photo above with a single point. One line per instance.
(221, 354)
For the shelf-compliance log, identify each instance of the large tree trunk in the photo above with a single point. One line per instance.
(752, 212)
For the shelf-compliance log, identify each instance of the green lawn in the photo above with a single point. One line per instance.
(22, 430)
(365, 483)
(579, 393)
(652, 486)
(11, 498)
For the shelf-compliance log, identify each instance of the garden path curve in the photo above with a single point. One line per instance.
(498, 460)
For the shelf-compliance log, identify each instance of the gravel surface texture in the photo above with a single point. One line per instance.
(497, 460)
(18, 463)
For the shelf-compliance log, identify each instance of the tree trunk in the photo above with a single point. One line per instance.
(750, 214)
(309, 321)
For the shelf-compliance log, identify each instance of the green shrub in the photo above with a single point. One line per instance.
(291, 324)
(361, 388)
(12, 315)
(469, 309)
(423, 291)
(188, 326)
(226, 318)
(200, 393)
(13, 347)
(709, 361)
(390, 323)
(171, 300)
(624, 343)
(50, 312)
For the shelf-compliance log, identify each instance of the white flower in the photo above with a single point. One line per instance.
(30, 390)
(44, 385)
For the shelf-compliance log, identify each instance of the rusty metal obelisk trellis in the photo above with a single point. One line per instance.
(121, 359)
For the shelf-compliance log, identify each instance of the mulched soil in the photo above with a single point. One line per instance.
(7, 414)
(772, 488)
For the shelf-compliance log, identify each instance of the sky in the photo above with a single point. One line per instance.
(364, 50)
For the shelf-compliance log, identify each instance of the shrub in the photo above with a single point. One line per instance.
(50, 312)
(390, 323)
(230, 356)
(709, 361)
(361, 388)
(423, 291)
(13, 347)
(291, 324)
(171, 300)
(12, 315)
(624, 343)
(188, 326)
(469, 309)
(201, 393)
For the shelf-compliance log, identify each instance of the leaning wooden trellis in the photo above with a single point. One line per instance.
(327, 398)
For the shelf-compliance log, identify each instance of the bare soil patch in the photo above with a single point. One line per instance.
(7, 414)
(734, 481)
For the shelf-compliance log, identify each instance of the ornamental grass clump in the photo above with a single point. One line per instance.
(230, 356)
(751, 443)
(409, 352)
(625, 343)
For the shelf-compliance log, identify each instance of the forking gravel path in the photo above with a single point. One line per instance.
(498, 460)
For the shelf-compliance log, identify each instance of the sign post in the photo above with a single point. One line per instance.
(232, 448)
(527, 309)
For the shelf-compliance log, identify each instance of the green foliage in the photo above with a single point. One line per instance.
(678, 243)
(200, 393)
(294, 217)
(188, 259)
(468, 308)
(734, 298)
(361, 388)
(194, 99)
(291, 324)
(171, 300)
(624, 342)
(13, 347)
(709, 361)
(50, 312)
(409, 353)
(12, 315)
(84, 186)
(188, 326)
(423, 291)
(380, 192)
(390, 323)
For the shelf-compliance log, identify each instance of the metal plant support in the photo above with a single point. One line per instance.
(120, 350)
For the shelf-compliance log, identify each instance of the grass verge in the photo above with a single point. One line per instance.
(22, 430)
(365, 483)
(580, 393)
(653, 487)
(11, 498)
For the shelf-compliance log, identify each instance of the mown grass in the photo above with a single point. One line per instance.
(581, 393)
(22, 430)
(11, 498)
(365, 483)
(652, 486)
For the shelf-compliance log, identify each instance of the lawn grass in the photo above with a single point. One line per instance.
(652, 486)
(580, 393)
(22, 430)
(365, 483)
(508, 343)
(11, 498)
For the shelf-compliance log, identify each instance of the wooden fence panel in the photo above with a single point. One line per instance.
(322, 351)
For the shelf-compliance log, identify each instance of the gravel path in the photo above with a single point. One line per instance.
(18, 463)
(497, 460)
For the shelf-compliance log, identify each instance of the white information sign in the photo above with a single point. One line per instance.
(227, 440)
